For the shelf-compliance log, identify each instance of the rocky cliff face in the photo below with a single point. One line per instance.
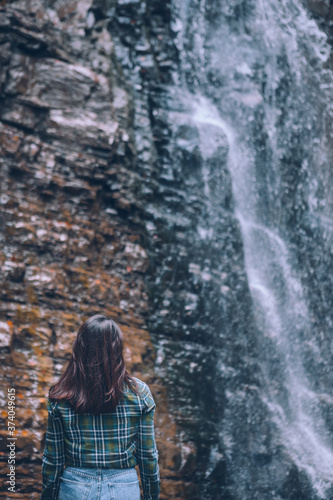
(71, 233)
(233, 153)
(119, 193)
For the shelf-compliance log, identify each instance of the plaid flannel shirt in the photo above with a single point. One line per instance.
(118, 440)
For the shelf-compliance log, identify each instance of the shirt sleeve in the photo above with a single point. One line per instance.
(147, 454)
(53, 456)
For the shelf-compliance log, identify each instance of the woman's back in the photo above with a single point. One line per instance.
(108, 439)
(114, 438)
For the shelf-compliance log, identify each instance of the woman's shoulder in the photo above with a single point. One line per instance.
(57, 406)
(142, 386)
(144, 394)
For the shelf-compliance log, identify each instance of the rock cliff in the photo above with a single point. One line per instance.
(71, 233)
(126, 128)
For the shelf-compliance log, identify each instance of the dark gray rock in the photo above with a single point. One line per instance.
(212, 98)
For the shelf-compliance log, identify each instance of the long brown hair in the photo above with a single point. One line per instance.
(94, 379)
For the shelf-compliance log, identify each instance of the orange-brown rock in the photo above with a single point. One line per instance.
(69, 249)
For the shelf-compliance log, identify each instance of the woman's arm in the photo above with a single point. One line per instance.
(147, 456)
(53, 456)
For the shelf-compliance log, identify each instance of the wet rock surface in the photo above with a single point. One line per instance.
(209, 347)
(115, 197)
(200, 315)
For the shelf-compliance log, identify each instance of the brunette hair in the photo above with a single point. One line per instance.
(94, 379)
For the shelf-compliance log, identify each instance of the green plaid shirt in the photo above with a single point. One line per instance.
(117, 440)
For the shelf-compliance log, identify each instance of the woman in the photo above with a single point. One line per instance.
(100, 424)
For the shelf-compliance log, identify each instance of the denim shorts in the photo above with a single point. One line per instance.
(79, 483)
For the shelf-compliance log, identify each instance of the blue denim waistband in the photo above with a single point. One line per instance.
(99, 473)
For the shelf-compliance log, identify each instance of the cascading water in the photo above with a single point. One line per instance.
(251, 80)
(281, 315)
(232, 114)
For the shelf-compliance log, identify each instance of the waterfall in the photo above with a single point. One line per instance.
(281, 313)
(252, 82)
